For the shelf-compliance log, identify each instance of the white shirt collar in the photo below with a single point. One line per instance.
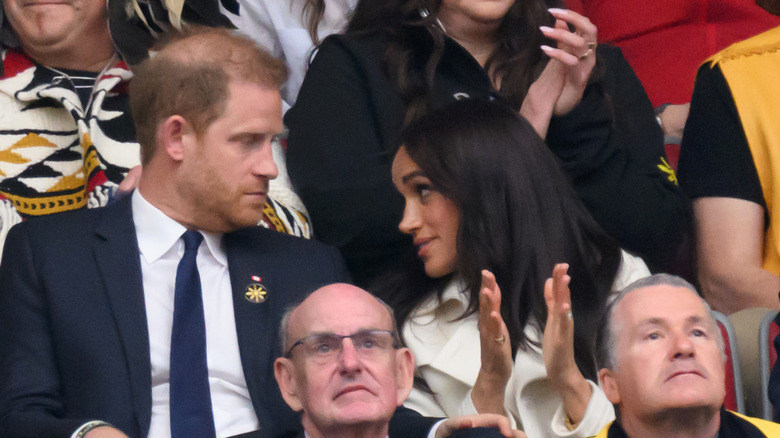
(158, 233)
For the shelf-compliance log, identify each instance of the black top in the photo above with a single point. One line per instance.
(344, 132)
(715, 159)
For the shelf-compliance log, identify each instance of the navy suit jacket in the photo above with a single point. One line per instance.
(74, 342)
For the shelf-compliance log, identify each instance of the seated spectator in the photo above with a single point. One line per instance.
(157, 315)
(351, 389)
(66, 135)
(727, 165)
(491, 212)
(665, 41)
(397, 61)
(292, 30)
(662, 364)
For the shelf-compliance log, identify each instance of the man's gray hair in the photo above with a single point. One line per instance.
(606, 337)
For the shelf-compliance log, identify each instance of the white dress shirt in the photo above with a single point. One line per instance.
(161, 249)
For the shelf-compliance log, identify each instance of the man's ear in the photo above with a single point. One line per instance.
(284, 371)
(609, 385)
(404, 373)
(173, 135)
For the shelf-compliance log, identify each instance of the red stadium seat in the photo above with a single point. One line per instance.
(735, 400)
(767, 356)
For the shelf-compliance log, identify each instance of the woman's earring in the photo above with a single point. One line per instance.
(424, 14)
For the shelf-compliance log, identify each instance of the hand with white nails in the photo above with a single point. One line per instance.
(495, 349)
(562, 83)
(558, 346)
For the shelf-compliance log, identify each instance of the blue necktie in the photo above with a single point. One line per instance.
(191, 413)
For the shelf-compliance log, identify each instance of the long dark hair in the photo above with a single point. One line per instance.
(519, 216)
(417, 43)
(313, 10)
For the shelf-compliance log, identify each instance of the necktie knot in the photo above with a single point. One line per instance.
(192, 240)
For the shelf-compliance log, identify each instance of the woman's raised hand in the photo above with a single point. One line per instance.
(560, 86)
(496, 351)
(576, 51)
(558, 346)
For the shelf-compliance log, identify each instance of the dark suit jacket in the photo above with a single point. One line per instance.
(73, 333)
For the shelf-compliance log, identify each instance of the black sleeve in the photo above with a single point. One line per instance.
(30, 402)
(715, 159)
(407, 423)
(339, 155)
(612, 147)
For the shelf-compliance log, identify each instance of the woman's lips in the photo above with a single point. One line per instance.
(422, 247)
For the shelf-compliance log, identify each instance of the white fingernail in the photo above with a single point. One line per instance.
(547, 48)
(545, 29)
(557, 11)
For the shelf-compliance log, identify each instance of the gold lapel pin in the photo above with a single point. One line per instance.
(255, 292)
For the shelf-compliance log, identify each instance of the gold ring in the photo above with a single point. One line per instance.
(585, 56)
(591, 45)
(501, 339)
(569, 316)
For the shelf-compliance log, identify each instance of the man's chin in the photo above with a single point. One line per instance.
(352, 419)
(357, 412)
(249, 218)
(690, 407)
(695, 394)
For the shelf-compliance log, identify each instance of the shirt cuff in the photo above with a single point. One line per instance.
(434, 428)
(598, 414)
(86, 427)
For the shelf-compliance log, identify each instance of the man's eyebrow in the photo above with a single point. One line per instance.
(359, 330)
(652, 321)
(405, 179)
(659, 321)
(706, 321)
(696, 319)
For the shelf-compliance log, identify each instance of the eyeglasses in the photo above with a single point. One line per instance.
(326, 347)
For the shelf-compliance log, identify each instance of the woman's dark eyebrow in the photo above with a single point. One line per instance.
(411, 175)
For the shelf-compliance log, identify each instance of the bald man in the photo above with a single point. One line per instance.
(344, 367)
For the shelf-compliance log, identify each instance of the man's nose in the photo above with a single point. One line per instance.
(683, 346)
(350, 362)
(264, 164)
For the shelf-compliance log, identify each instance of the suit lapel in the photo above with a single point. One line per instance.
(252, 320)
(254, 259)
(117, 257)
